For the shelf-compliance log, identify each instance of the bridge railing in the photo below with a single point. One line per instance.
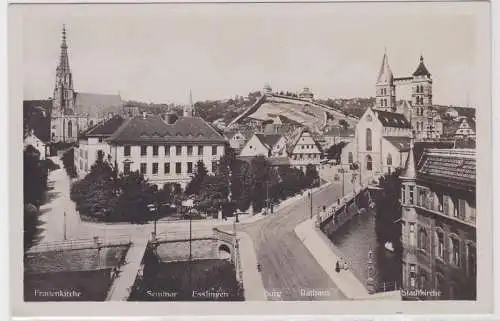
(76, 244)
(388, 286)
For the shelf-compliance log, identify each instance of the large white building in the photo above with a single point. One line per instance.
(166, 150)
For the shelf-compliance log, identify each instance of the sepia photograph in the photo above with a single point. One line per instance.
(252, 152)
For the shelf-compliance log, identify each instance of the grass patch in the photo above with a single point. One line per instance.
(206, 278)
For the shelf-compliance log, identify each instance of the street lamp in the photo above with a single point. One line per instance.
(64, 225)
(153, 207)
(311, 204)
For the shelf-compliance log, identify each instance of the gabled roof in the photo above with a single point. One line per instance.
(390, 119)
(105, 128)
(400, 142)
(410, 169)
(155, 130)
(454, 168)
(97, 105)
(421, 69)
(294, 139)
(269, 140)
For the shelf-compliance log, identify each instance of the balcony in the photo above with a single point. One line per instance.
(470, 221)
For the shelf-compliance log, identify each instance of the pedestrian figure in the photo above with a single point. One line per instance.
(337, 267)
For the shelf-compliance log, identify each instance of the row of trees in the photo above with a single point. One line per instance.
(105, 195)
(35, 186)
(68, 160)
(255, 183)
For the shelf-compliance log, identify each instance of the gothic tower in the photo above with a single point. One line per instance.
(386, 91)
(63, 103)
(409, 219)
(422, 101)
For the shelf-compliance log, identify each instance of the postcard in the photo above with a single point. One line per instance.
(250, 158)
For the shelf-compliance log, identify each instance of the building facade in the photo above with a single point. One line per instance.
(31, 139)
(166, 150)
(268, 145)
(303, 150)
(439, 223)
(382, 141)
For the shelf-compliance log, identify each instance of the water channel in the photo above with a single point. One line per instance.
(355, 239)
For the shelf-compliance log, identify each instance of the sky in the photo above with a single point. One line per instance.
(158, 53)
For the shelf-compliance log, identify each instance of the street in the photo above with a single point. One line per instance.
(287, 265)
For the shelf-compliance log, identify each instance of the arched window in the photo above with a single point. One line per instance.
(454, 250)
(368, 163)
(350, 158)
(440, 244)
(389, 159)
(368, 139)
(70, 129)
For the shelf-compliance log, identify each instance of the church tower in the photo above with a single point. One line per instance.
(422, 101)
(189, 110)
(63, 102)
(386, 91)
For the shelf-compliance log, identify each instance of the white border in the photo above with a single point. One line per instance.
(129, 309)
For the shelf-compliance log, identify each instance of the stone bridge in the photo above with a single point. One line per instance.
(205, 244)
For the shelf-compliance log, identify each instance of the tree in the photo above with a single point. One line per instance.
(241, 185)
(35, 177)
(344, 123)
(68, 160)
(31, 222)
(135, 196)
(194, 185)
(260, 167)
(312, 175)
(335, 151)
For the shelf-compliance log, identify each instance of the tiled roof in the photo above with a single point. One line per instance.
(421, 69)
(389, 119)
(455, 168)
(269, 140)
(106, 128)
(155, 129)
(400, 142)
(98, 105)
(340, 132)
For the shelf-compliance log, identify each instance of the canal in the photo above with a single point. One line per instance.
(355, 239)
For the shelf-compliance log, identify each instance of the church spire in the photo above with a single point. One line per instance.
(189, 110)
(64, 60)
(410, 170)
(385, 74)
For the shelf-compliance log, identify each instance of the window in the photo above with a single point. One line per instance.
(350, 158)
(413, 274)
(440, 201)
(412, 234)
(403, 188)
(454, 244)
(455, 207)
(423, 279)
(166, 168)
(214, 150)
(155, 150)
(190, 167)
(126, 150)
(178, 168)
(422, 239)
(155, 168)
(100, 139)
(368, 163)
(368, 139)
(389, 159)
(440, 244)
(190, 150)
(70, 129)
(144, 168)
(126, 168)
(200, 150)
(411, 200)
(403, 232)
(144, 150)
(471, 259)
(178, 150)
(167, 150)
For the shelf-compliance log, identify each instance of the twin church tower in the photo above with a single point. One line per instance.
(419, 110)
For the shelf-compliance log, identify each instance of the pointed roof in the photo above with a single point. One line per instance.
(269, 140)
(64, 60)
(385, 74)
(421, 69)
(410, 170)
